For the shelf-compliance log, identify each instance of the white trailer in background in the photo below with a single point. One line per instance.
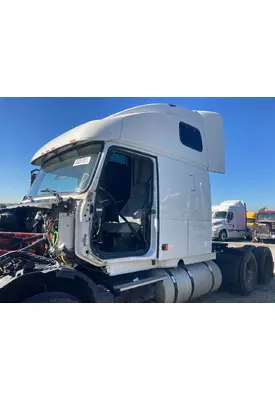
(122, 212)
(229, 221)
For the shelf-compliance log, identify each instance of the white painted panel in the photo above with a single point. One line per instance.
(200, 238)
(185, 213)
(160, 132)
(213, 127)
(175, 234)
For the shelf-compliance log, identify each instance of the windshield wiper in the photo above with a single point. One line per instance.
(54, 192)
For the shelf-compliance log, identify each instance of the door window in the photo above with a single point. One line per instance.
(229, 216)
(125, 197)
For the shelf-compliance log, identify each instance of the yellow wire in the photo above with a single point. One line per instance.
(56, 240)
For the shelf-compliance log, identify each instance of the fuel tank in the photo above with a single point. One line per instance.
(186, 283)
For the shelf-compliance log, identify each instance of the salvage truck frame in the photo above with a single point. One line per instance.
(119, 210)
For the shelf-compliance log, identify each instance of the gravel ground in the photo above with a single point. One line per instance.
(262, 294)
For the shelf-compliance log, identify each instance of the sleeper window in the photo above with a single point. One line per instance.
(190, 136)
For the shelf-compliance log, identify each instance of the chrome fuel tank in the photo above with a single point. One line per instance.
(185, 283)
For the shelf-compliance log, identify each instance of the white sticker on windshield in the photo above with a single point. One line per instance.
(82, 161)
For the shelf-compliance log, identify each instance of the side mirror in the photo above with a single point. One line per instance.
(34, 173)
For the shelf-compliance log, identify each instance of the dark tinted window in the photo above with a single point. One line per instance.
(119, 158)
(190, 136)
(219, 215)
(230, 216)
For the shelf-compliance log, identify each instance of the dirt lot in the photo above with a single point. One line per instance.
(263, 294)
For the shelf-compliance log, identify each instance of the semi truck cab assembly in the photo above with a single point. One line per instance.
(120, 210)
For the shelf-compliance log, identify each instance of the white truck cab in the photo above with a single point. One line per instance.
(123, 203)
(153, 162)
(229, 220)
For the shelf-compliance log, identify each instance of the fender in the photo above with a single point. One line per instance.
(64, 279)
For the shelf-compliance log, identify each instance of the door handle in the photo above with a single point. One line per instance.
(192, 182)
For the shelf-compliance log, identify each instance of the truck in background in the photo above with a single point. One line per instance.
(120, 211)
(251, 219)
(214, 209)
(265, 225)
(229, 221)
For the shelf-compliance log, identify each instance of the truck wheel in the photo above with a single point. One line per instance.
(222, 236)
(247, 274)
(52, 297)
(249, 236)
(249, 247)
(264, 260)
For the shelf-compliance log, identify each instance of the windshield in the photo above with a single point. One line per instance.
(219, 215)
(267, 216)
(68, 172)
(250, 220)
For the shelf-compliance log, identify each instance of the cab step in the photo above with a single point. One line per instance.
(138, 283)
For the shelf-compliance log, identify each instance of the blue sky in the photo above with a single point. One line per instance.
(28, 123)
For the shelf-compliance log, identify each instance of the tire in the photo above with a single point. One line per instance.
(249, 247)
(222, 236)
(239, 271)
(52, 297)
(249, 236)
(264, 260)
(247, 274)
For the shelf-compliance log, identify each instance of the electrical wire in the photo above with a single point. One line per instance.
(56, 240)
(21, 251)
